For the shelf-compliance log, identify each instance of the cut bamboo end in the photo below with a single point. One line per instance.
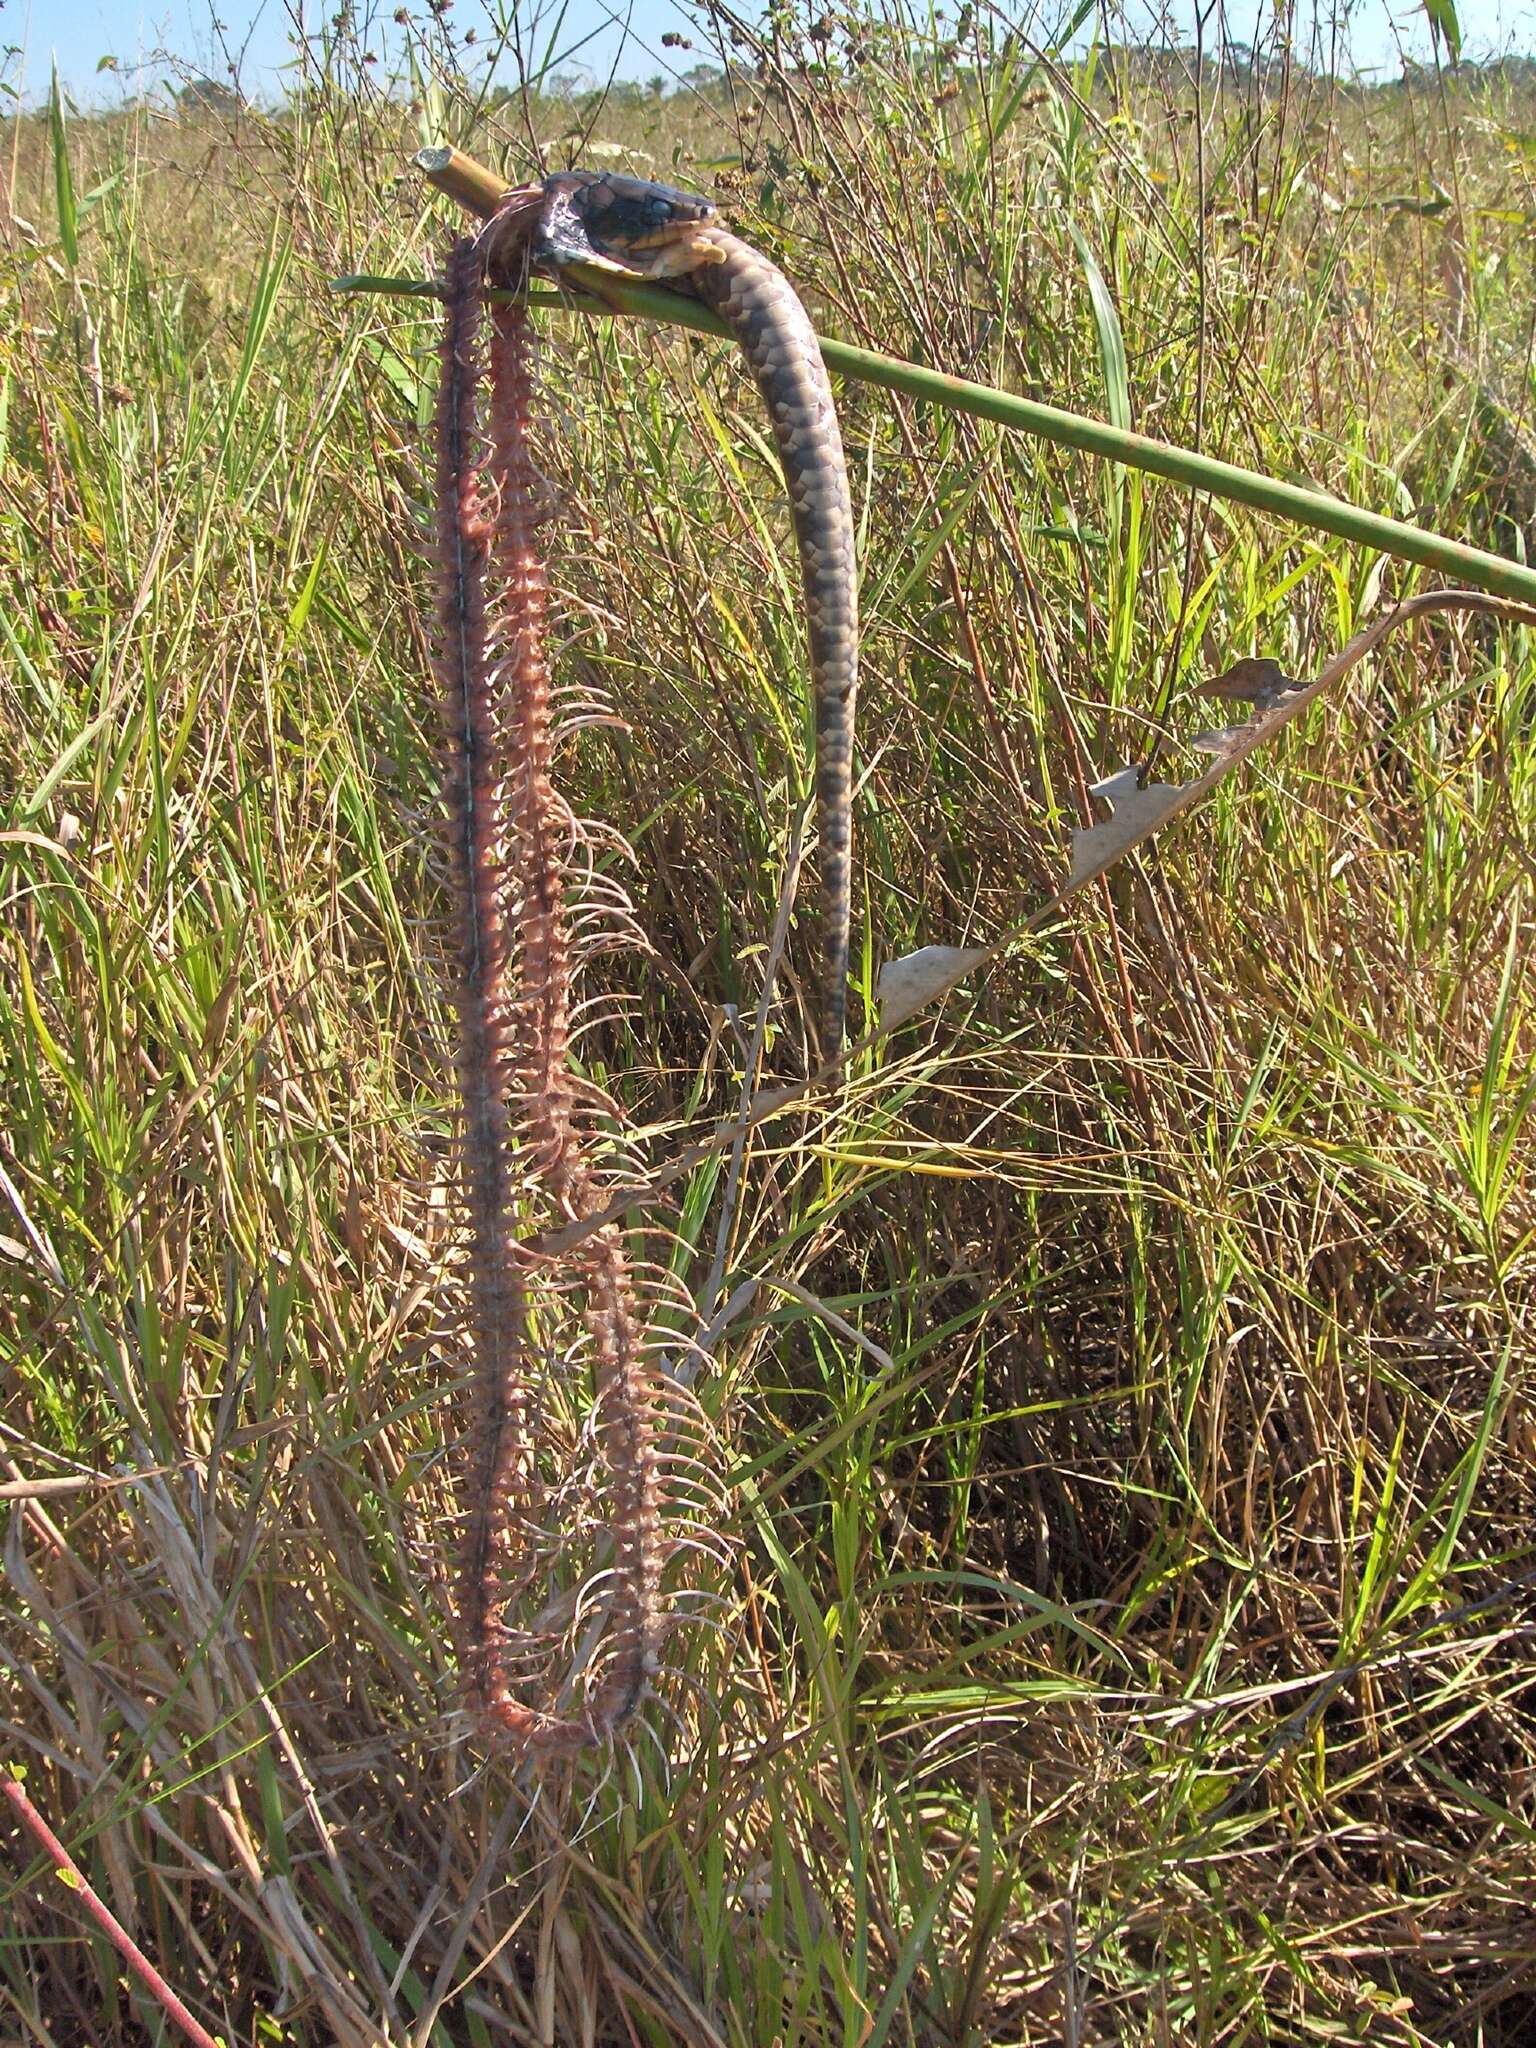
(461, 178)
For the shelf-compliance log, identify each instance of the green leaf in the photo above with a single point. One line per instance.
(1117, 383)
(1444, 26)
(94, 197)
(63, 180)
(416, 395)
(300, 613)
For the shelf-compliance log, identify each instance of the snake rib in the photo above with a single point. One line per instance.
(507, 828)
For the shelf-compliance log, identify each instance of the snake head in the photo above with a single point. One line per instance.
(613, 222)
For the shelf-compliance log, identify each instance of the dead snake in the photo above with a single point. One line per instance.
(620, 223)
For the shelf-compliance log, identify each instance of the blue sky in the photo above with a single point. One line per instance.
(83, 31)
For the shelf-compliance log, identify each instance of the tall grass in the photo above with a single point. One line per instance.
(1125, 1386)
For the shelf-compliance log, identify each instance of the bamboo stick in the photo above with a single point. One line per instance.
(480, 190)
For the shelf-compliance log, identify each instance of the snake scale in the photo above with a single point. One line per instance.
(609, 221)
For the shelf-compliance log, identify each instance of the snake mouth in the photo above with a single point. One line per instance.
(612, 221)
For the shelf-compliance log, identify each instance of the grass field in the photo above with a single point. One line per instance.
(1123, 1391)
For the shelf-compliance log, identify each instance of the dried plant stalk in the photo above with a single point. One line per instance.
(510, 836)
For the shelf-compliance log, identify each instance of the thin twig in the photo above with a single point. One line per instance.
(776, 944)
(69, 1872)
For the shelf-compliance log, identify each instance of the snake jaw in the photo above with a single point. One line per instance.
(659, 260)
(626, 226)
(690, 252)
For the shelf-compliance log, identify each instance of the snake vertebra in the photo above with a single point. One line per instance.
(615, 222)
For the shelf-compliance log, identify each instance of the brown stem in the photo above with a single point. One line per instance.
(101, 1913)
(474, 187)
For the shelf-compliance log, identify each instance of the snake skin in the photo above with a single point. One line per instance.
(760, 307)
(660, 232)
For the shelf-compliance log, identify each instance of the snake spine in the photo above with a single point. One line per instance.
(509, 836)
(508, 831)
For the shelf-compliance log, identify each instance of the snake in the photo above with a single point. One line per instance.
(604, 220)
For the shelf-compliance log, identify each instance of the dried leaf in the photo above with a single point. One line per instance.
(1243, 739)
(1139, 812)
(919, 978)
(1256, 679)
(907, 985)
(1133, 813)
(1220, 742)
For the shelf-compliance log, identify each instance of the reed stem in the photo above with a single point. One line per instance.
(473, 186)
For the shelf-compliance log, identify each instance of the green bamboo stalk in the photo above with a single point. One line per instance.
(472, 185)
(1297, 502)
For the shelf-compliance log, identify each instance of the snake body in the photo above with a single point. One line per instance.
(629, 224)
